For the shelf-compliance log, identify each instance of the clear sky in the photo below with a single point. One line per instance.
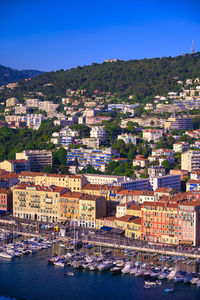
(60, 34)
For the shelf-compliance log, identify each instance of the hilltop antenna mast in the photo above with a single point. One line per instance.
(192, 47)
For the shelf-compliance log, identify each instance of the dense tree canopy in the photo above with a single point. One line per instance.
(17, 140)
(139, 78)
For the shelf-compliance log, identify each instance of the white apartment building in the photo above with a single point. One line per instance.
(136, 184)
(152, 134)
(48, 106)
(181, 147)
(104, 179)
(128, 138)
(32, 102)
(98, 132)
(67, 131)
(146, 196)
(168, 181)
(31, 120)
(20, 109)
(92, 142)
(155, 171)
(190, 160)
(121, 209)
(123, 181)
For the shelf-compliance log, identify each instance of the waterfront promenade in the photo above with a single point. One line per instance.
(91, 236)
(147, 248)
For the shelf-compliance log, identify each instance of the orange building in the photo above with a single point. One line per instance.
(69, 207)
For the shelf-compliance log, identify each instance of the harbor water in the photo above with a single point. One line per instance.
(31, 277)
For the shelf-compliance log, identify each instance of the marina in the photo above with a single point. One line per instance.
(62, 264)
(97, 271)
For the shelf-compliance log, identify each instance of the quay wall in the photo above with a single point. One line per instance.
(134, 248)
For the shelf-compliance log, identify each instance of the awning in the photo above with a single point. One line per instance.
(106, 228)
(186, 242)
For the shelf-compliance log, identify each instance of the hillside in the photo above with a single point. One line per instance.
(143, 78)
(8, 75)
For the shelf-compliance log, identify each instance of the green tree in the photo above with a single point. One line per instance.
(48, 169)
(166, 164)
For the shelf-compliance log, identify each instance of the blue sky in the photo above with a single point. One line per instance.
(60, 34)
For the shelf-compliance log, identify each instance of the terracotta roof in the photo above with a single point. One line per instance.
(197, 181)
(135, 207)
(157, 204)
(4, 191)
(130, 192)
(31, 174)
(147, 193)
(125, 218)
(190, 203)
(53, 188)
(137, 221)
(8, 176)
(19, 161)
(89, 186)
(90, 197)
(163, 190)
(71, 195)
(76, 176)
(195, 172)
(120, 158)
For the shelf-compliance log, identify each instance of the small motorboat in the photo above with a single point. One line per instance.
(150, 283)
(69, 274)
(147, 286)
(168, 290)
(158, 282)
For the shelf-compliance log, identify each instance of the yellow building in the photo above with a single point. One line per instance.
(37, 203)
(108, 191)
(74, 182)
(17, 165)
(29, 177)
(91, 208)
(107, 221)
(134, 210)
(130, 224)
(52, 179)
(133, 229)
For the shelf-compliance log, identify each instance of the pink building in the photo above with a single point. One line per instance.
(189, 222)
(5, 200)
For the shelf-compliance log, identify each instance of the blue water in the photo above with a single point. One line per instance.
(30, 277)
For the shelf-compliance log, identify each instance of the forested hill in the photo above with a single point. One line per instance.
(145, 77)
(8, 75)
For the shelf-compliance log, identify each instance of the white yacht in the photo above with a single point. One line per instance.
(128, 266)
(104, 266)
(172, 274)
(194, 280)
(6, 255)
(140, 272)
(59, 264)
